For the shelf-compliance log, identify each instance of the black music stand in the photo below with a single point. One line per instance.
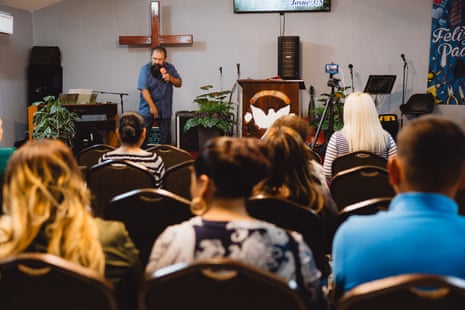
(379, 85)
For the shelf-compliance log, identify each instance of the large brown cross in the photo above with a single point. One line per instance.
(155, 38)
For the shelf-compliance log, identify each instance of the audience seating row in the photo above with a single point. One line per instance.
(45, 281)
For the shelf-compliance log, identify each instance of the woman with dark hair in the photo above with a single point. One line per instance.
(131, 134)
(226, 171)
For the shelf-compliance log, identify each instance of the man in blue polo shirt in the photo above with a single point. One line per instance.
(422, 231)
(156, 81)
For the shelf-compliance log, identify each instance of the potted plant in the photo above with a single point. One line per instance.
(214, 116)
(53, 121)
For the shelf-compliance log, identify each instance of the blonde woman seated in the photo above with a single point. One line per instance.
(45, 210)
(292, 178)
(131, 134)
(362, 131)
(226, 170)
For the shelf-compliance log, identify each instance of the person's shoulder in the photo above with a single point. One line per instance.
(110, 228)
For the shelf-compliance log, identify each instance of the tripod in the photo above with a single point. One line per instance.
(328, 111)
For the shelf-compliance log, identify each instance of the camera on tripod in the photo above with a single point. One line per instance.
(332, 69)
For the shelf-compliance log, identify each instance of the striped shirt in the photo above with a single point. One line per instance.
(338, 146)
(149, 160)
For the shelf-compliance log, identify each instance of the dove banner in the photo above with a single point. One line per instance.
(446, 76)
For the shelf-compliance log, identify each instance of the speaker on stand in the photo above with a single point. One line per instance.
(44, 73)
(289, 57)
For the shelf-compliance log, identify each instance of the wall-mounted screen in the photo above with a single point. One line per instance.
(268, 6)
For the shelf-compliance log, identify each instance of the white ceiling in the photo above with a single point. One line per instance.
(28, 5)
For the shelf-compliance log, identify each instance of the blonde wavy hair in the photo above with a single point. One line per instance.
(362, 128)
(46, 199)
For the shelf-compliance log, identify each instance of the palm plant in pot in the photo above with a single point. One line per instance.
(53, 121)
(215, 115)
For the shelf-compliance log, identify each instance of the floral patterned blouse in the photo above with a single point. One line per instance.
(258, 243)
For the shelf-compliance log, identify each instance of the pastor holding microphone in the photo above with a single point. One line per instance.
(156, 81)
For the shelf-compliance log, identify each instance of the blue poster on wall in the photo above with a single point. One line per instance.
(446, 76)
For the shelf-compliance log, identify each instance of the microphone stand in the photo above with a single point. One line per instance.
(238, 71)
(404, 86)
(110, 93)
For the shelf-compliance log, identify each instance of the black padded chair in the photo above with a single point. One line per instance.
(89, 156)
(357, 158)
(113, 177)
(218, 283)
(359, 184)
(417, 104)
(45, 281)
(365, 207)
(178, 179)
(170, 154)
(407, 291)
(289, 215)
(146, 213)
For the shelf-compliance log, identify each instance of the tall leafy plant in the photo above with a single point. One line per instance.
(215, 111)
(53, 121)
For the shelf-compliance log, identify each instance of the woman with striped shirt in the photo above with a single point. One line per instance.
(362, 131)
(131, 133)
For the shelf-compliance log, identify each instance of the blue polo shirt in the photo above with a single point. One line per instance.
(421, 233)
(162, 92)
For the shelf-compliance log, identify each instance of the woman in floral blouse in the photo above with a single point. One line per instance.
(226, 170)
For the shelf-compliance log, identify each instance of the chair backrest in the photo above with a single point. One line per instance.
(360, 183)
(365, 207)
(218, 283)
(146, 213)
(418, 104)
(45, 281)
(170, 154)
(110, 178)
(357, 158)
(178, 179)
(408, 291)
(89, 156)
(289, 215)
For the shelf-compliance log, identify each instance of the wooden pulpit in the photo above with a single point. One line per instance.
(263, 101)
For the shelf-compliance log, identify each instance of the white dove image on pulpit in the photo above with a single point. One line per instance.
(264, 121)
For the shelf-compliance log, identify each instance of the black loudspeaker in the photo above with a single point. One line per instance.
(44, 73)
(44, 80)
(289, 57)
(390, 123)
(189, 140)
(45, 55)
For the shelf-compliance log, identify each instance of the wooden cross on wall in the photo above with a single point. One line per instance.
(155, 38)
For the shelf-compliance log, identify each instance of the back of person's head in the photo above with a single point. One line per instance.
(291, 174)
(359, 108)
(432, 150)
(362, 127)
(295, 122)
(46, 200)
(235, 165)
(131, 128)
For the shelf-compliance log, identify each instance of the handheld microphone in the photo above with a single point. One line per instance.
(351, 67)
